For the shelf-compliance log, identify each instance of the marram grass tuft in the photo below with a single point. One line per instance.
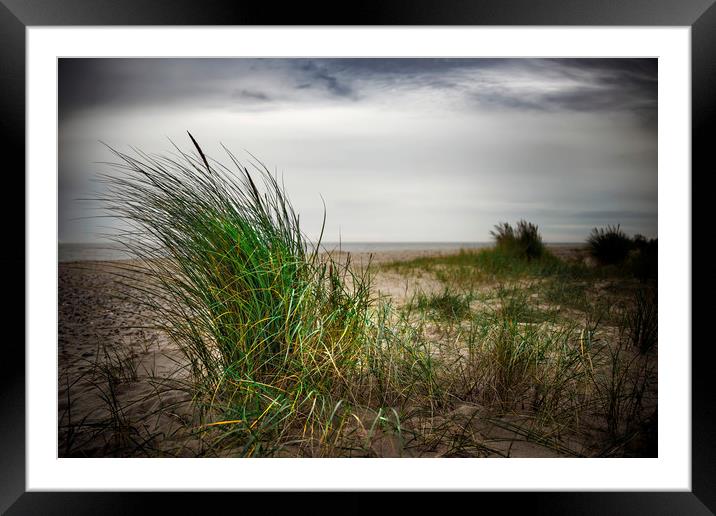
(272, 330)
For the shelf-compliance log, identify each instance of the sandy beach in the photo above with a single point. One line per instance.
(120, 383)
(101, 332)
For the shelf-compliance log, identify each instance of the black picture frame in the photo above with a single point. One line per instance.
(17, 15)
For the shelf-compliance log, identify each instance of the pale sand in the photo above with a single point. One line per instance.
(94, 328)
(92, 320)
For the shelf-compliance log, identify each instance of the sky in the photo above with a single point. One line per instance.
(400, 150)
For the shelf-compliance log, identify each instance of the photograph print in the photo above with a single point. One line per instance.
(364, 257)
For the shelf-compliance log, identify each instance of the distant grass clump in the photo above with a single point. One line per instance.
(610, 245)
(445, 305)
(504, 263)
(637, 256)
(524, 241)
(469, 268)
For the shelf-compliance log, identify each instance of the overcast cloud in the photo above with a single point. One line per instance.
(400, 149)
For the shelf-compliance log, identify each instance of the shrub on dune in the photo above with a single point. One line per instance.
(644, 259)
(524, 241)
(610, 245)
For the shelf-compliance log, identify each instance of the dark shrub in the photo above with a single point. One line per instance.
(529, 240)
(609, 246)
(524, 242)
(643, 262)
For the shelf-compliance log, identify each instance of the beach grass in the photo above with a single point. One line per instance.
(290, 351)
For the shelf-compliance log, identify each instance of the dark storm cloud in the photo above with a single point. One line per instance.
(639, 73)
(321, 75)
(580, 85)
(224, 83)
(590, 84)
(615, 84)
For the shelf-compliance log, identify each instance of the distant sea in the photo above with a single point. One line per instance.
(106, 252)
(90, 252)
